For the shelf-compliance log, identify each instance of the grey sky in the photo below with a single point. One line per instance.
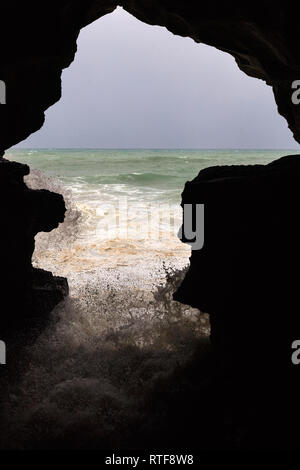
(133, 85)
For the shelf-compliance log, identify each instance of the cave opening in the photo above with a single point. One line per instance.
(158, 100)
(119, 333)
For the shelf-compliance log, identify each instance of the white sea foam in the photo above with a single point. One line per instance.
(96, 233)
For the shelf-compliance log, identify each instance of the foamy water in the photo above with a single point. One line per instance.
(123, 205)
(98, 233)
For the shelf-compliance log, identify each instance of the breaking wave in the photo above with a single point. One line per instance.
(91, 373)
(67, 232)
(89, 236)
(136, 179)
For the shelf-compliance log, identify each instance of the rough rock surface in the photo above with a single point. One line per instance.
(246, 277)
(26, 292)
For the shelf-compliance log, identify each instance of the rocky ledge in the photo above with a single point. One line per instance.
(246, 277)
(26, 293)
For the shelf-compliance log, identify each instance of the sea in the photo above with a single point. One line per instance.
(119, 335)
(123, 205)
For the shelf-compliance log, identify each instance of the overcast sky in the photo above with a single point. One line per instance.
(138, 86)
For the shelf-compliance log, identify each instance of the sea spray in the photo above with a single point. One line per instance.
(79, 245)
(87, 377)
(67, 232)
(106, 346)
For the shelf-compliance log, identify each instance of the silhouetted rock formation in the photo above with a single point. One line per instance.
(248, 265)
(246, 277)
(26, 293)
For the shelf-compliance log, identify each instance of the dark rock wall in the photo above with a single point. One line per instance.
(246, 277)
(26, 293)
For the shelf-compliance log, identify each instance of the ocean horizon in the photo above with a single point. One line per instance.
(123, 204)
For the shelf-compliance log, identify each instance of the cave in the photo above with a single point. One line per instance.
(247, 270)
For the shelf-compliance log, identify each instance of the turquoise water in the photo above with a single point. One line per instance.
(158, 174)
(123, 205)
